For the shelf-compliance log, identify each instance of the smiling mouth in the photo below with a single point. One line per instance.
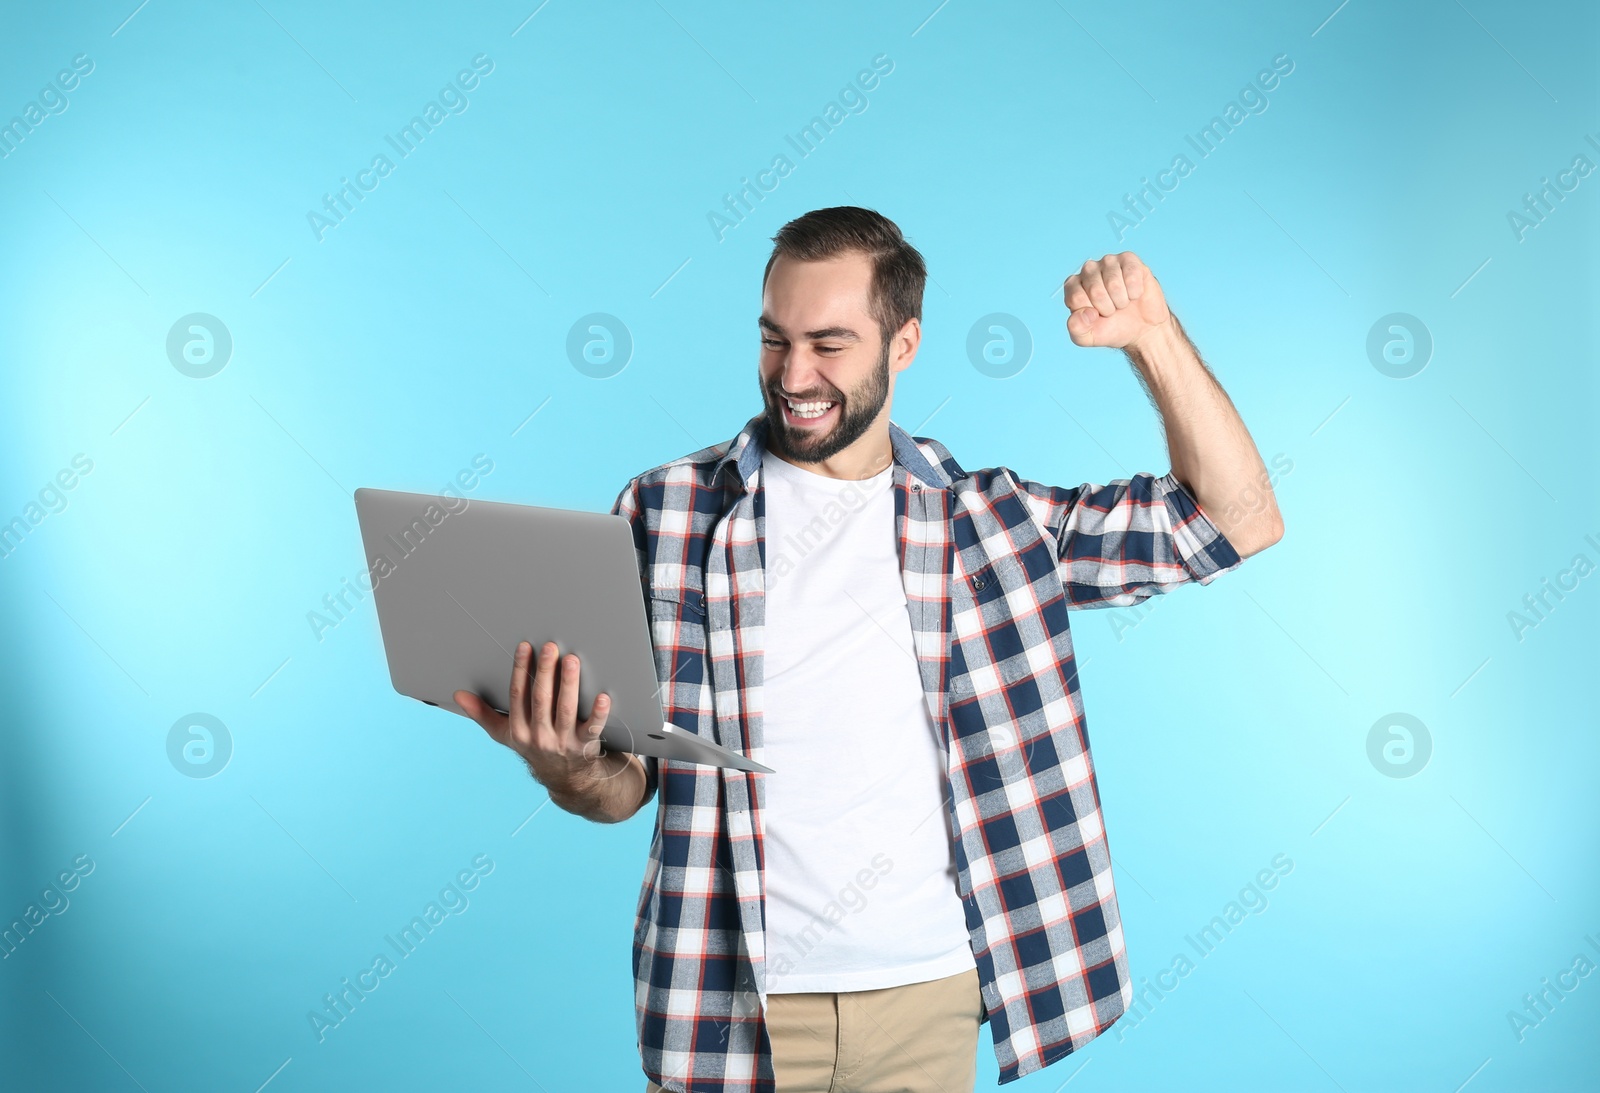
(809, 410)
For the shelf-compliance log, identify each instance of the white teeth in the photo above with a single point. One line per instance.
(808, 409)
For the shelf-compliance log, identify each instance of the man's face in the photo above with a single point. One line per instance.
(825, 366)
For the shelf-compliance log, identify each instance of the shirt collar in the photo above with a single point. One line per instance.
(745, 451)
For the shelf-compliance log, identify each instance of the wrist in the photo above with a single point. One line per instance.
(1160, 350)
(578, 785)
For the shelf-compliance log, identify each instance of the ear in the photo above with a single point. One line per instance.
(904, 345)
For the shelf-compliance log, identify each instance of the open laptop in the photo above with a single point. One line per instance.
(459, 583)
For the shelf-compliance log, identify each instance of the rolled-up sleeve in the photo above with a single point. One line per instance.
(1129, 539)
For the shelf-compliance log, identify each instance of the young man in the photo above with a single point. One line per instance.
(888, 632)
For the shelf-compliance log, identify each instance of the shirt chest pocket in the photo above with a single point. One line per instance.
(990, 581)
(997, 618)
(678, 635)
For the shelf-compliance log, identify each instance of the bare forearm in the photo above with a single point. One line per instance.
(1211, 450)
(609, 799)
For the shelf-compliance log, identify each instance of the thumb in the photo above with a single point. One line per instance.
(1081, 324)
(478, 710)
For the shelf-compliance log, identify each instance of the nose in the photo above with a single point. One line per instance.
(798, 376)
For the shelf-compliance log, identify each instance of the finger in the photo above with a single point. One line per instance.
(1111, 271)
(1094, 284)
(519, 711)
(543, 686)
(567, 698)
(1134, 274)
(589, 734)
(1073, 294)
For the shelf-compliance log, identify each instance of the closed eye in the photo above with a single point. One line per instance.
(778, 343)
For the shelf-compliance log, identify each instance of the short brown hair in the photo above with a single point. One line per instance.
(898, 272)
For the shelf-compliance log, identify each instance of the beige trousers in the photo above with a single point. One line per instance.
(917, 1038)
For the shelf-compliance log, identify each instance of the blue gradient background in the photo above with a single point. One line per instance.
(1229, 724)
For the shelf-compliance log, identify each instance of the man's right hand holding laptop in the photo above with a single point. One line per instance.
(563, 753)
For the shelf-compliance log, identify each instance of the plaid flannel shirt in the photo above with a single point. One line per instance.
(992, 564)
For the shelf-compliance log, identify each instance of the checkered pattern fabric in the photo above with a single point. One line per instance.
(992, 564)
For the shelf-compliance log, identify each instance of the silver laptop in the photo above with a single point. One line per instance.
(459, 583)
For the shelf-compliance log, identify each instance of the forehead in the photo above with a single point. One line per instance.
(808, 295)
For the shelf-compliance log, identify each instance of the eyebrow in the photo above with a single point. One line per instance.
(826, 332)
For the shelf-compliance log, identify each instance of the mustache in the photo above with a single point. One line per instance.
(777, 392)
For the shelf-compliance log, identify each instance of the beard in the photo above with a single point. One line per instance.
(857, 411)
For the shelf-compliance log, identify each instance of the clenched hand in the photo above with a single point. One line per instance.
(1115, 303)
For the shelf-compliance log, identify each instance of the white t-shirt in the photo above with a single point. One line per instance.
(860, 873)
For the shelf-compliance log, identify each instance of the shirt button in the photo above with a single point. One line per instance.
(978, 584)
